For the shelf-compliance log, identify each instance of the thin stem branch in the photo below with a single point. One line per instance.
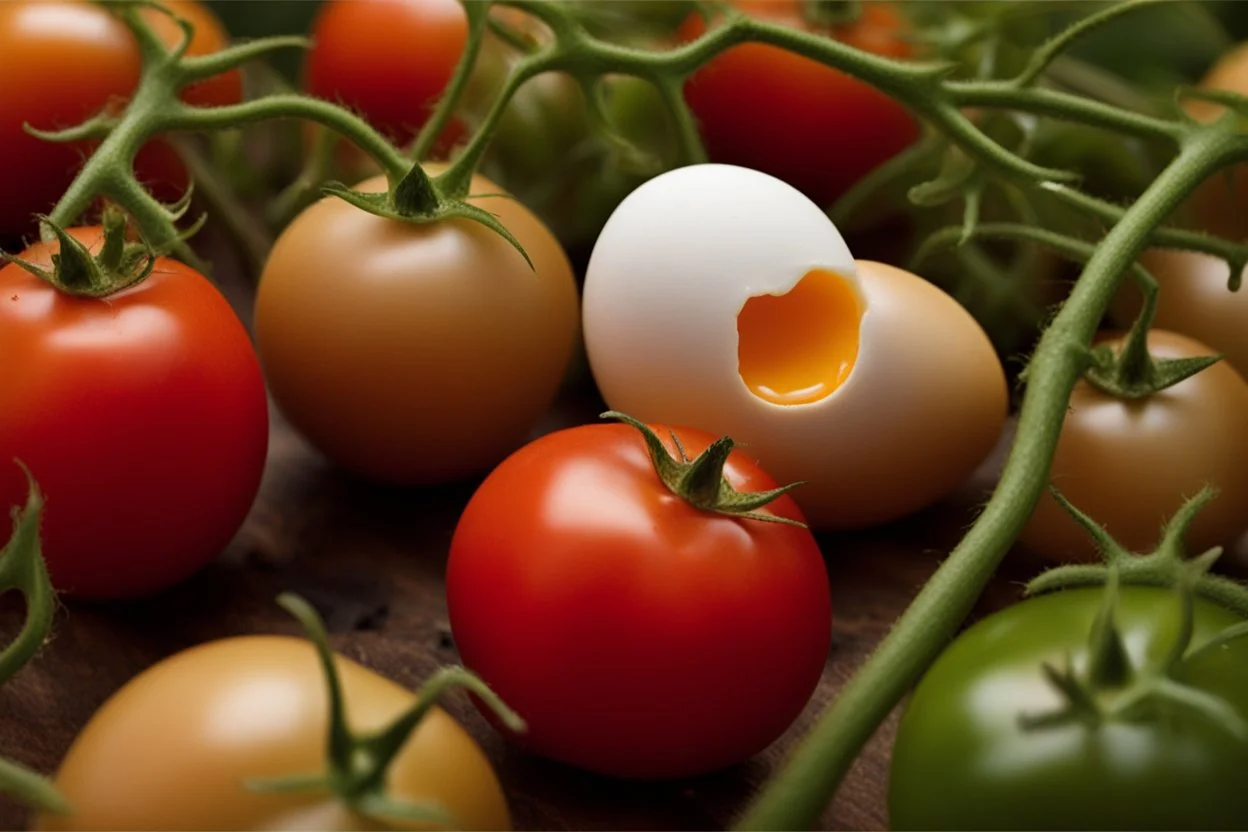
(392, 161)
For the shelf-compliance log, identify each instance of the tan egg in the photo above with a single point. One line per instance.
(721, 298)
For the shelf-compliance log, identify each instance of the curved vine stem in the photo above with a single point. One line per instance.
(796, 797)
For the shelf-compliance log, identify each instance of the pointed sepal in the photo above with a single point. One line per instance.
(701, 481)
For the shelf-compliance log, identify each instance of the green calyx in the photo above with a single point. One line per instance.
(22, 569)
(416, 198)
(357, 764)
(1131, 372)
(119, 264)
(700, 481)
(1166, 566)
(1110, 689)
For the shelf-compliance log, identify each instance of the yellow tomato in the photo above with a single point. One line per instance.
(175, 747)
(415, 354)
(1130, 464)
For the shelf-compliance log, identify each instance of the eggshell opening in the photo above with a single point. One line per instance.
(800, 346)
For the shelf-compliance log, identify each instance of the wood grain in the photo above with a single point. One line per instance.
(373, 559)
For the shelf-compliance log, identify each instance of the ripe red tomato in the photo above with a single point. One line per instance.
(824, 130)
(389, 60)
(84, 59)
(143, 417)
(636, 635)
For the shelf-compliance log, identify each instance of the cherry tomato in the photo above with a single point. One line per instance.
(175, 747)
(85, 59)
(636, 635)
(1129, 464)
(820, 130)
(961, 759)
(142, 416)
(415, 353)
(389, 60)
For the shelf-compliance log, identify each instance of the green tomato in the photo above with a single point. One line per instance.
(961, 759)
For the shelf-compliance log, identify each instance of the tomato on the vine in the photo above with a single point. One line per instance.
(815, 127)
(415, 353)
(176, 747)
(963, 760)
(636, 634)
(141, 414)
(389, 60)
(84, 59)
(1130, 463)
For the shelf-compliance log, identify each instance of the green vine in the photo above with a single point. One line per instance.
(22, 569)
(971, 158)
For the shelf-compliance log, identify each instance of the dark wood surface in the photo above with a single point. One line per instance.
(373, 560)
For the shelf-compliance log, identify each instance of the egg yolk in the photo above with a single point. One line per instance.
(799, 347)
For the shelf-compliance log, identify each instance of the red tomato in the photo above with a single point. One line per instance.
(389, 60)
(815, 127)
(83, 58)
(143, 417)
(636, 635)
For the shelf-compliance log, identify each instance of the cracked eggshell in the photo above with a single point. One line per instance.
(925, 397)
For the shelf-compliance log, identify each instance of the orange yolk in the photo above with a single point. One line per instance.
(799, 347)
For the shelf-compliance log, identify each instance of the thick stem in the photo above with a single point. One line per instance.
(798, 795)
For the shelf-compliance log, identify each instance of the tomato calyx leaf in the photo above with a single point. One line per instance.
(357, 764)
(1111, 688)
(700, 481)
(417, 199)
(1166, 565)
(1132, 372)
(75, 271)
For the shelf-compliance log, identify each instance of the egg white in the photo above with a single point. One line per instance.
(666, 281)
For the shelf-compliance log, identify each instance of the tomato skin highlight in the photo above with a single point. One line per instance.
(825, 129)
(174, 747)
(960, 761)
(389, 60)
(636, 635)
(143, 417)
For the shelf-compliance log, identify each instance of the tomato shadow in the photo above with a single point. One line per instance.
(545, 794)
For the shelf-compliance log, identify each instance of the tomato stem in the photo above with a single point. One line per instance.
(478, 14)
(358, 764)
(701, 482)
(31, 789)
(796, 796)
(22, 568)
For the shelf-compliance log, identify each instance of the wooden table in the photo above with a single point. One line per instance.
(373, 560)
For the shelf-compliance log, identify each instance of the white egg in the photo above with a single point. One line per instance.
(721, 298)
